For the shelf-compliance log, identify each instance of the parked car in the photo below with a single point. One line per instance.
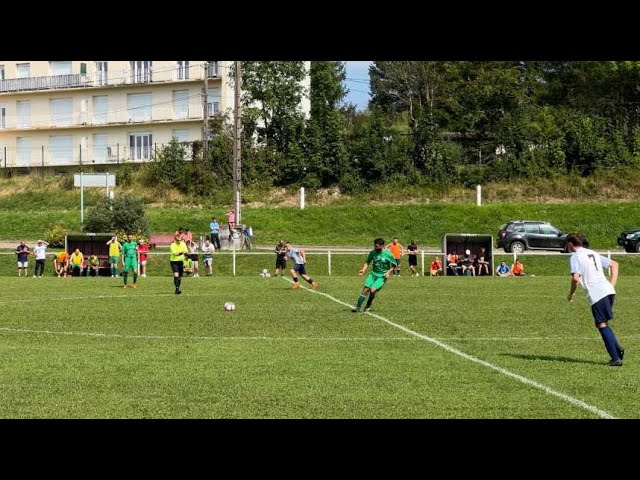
(630, 240)
(520, 235)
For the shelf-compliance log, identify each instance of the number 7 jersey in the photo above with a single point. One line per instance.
(590, 266)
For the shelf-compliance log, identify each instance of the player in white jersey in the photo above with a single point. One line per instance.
(587, 269)
(299, 260)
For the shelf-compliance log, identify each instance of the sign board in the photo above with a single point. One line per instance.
(94, 180)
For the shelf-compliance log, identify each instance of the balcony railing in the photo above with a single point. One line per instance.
(138, 115)
(172, 73)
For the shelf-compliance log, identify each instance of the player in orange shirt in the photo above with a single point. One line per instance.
(60, 263)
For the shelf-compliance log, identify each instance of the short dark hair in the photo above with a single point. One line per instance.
(574, 239)
(378, 241)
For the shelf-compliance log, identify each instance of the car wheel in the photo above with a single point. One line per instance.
(637, 247)
(517, 247)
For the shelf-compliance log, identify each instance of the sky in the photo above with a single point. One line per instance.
(358, 84)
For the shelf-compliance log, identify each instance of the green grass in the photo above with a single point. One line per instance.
(86, 348)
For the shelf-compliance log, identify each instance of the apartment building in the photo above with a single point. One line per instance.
(80, 113)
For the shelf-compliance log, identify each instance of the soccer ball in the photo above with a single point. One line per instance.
(229, 306)
(265, 273)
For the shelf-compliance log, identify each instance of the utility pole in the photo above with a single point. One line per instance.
(237, 160)
(205, 112)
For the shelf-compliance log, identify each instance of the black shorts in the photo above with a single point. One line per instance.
(413, 260)
(193, 257)
(281, 263)
(299, 267)
(177, 267)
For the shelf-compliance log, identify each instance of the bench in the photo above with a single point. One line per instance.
(162, 239)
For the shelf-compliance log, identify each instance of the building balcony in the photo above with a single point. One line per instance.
(134, 116)
(99, 79)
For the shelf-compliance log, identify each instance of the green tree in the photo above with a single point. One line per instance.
(123, 213)
(326, 157)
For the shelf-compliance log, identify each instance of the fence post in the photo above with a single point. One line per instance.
(478, 195)
(42, 156)
(329, 260)
(118, 153)
(234, 262)
(609, 256)
(422, 260)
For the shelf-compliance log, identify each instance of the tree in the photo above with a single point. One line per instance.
(124, 213)
(325, 130)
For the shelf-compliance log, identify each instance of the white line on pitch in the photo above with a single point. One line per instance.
(548, 390)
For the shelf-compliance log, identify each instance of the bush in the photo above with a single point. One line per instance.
(55, 235)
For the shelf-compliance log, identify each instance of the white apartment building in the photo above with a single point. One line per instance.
(77, 113)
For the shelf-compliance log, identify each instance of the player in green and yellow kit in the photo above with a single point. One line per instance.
(383, 264)
(130, 260)
(114, 255)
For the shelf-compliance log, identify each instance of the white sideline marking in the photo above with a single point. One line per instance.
(180, 337)
(455, 351)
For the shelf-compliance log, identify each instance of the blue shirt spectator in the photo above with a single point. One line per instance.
(503, 270)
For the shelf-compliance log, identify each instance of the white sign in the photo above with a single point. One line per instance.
(94, 180)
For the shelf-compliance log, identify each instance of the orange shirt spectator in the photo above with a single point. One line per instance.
(517, 269)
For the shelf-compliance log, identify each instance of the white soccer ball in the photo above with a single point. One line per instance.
(229, 306)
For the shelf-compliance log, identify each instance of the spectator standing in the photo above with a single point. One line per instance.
(193, 256)
(114, 255)
(397, 251)
(281, 258)
(231, 220)
(143, 252)
(412, 252)
(22, 253)
(214, 230)
(41, 253)
(207, 257)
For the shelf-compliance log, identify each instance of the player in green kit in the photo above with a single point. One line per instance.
(130, 260)
(383, 265)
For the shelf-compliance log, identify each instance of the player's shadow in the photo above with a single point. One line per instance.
(550, 358)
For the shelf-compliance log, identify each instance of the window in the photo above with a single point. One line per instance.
(60, 68)
(99, 109)
(180, 135)
(548, 230)
(100, 148)
(531, 228)
(61, 111)
(140, 145)
(23, 152)
(183, 70)
(139, 107)
(180, 104)
(3, 116)
(141, 71)
(101, 73)
(213, 69)
(61, 149)
(23, 111)
(24, 70)
(213, 101)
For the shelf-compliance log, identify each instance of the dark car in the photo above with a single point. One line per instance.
(520, 235)
(630, 240)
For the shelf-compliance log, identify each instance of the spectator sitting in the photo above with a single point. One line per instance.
(436, 267)
(452, 263)
(517, 269)
(92, 266)
(467, 264)
(60, 263)
(503, 269)
(188, 265)
(483, 262)
(76, 262)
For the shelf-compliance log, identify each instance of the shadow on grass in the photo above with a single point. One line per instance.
(550, 358)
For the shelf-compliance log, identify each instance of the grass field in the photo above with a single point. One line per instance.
(431, 348)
